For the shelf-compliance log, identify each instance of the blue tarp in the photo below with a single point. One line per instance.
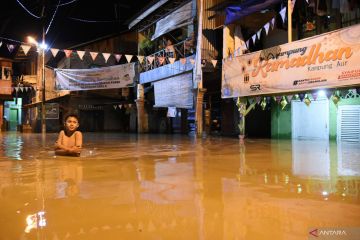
(236, 12)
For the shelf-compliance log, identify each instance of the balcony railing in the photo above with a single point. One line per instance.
(164, 56)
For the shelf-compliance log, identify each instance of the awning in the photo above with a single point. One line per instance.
(177, 19)
(236, 12)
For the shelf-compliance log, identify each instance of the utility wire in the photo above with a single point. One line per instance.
(90, 21)
(27, 9)
(57, 6)
(63, 4)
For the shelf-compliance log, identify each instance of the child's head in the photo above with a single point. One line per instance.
(71, 122)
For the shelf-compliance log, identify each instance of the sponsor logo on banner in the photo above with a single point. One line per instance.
(255, 87)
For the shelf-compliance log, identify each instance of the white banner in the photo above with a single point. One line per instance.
(177, 19)
(119, 76)
(324, 61)
(174, 92)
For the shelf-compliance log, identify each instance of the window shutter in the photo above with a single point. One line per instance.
(348, 128)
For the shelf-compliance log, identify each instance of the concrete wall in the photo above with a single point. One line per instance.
(280, 121)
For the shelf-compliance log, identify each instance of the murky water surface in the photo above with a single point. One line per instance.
(176, 187)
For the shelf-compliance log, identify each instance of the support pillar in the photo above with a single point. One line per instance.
(2, 116)
(141, 113)
(199, 111)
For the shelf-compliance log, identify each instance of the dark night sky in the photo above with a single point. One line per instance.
(113, 16)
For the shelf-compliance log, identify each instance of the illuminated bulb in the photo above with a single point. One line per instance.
(324, 193)
(321, 93)
(43, 46)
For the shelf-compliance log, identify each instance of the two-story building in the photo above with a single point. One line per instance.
(180, 74)
(301, 99)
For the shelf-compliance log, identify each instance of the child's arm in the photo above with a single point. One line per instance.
(78, 143)
(58, 142)
(78, 139)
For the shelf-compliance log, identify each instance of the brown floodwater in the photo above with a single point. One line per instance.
(176, 187)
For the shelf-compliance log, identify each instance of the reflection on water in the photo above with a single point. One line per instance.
(11, 146)
(311, 158)
(348, 159)
(176, 187)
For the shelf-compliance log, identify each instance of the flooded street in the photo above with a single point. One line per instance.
(176, 187)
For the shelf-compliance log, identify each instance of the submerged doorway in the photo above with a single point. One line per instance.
(310, 122)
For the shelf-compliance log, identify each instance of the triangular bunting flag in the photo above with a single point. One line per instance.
(141, 59)
(172, 60)
(0, 43)
(183, 61)
(161, 60)
(214, 62)
(150, 59)
(278, 99)
(289, 98)
(81, 54)
(282, 14)
(117, 57)
(115, 106)
(16, 89)
(258, 100)
(10, 47)
(203, 62)
(272, 23)
(128, 58)
(120, 106)
(247, 44)
(329, 93)
(314, 95)
(54, 51)
(106, 56)
(22, 89)
(267, 27)
(25, 48)
(259, 33)
(94, 55)
(67, 53)
(292, 5)
(301, 96)
(254, 38)
(192, 61)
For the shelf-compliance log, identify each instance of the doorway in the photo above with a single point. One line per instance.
(310, 122)
(13, 121)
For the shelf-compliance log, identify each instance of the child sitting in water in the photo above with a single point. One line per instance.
(69, 142)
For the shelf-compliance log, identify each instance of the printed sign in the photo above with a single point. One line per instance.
(52, 111)
(324, 61)
(119, 76)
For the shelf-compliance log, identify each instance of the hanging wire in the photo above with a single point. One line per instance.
(90, 21)
(63, 4)
(57, 6)
(27, 9)
(12, 40)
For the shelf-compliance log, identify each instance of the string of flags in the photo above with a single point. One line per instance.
(257, 35)
(120, 106)
(21, 89)
(106, 56)
(307, 98)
